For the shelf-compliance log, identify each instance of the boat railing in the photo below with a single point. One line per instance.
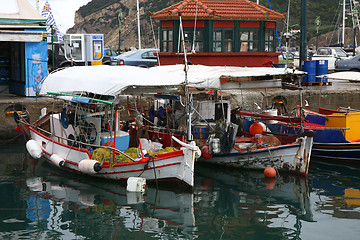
(74, 142)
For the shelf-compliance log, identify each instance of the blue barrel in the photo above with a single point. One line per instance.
(310, 68)
(321, 69)
(200, 131)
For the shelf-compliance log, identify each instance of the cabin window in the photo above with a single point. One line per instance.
(223, 40)
(249, 40)
(269, 40)
(189, 40)
(167, 40)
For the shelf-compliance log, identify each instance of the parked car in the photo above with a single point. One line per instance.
(351, 64)
(60, 61)
(331, 54)
(108, 55)
(142, 58)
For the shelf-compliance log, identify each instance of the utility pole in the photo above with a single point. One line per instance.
(303, 33)
(138, 21)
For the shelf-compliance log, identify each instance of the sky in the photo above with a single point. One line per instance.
(63, 11)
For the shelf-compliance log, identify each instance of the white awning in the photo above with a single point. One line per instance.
(114, 80)
(350, 76)
(21, 36)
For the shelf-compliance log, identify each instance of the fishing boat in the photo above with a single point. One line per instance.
(221, 140)
(85, 136)
(337, 132)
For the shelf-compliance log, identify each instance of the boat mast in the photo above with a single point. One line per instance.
(138, 22)
(187, 105)
(343, 23)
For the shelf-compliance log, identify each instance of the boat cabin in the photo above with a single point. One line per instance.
(218, 33)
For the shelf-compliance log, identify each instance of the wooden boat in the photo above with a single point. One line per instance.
(80, 137)
(286, 153)
(223, 144)
(337, 133)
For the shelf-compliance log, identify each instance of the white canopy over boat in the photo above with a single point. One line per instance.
(350, 76)
(114, 80)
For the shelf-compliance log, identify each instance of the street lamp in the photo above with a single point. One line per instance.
(119, 19)
(317, 23)
(355, 12)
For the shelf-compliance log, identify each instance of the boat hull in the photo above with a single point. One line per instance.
(176, 166)
(294, 158)
(349, 151)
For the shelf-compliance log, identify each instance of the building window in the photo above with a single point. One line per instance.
(189, 40)
(167, 40)
(223, 40)
(249, 41)
(269, 40)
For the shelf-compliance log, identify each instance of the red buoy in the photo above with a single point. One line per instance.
(270, 172)
(205, 152)
(256, 128)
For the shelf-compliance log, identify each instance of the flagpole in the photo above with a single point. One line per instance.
(37, 6)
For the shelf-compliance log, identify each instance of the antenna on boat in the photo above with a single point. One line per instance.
(194, 35)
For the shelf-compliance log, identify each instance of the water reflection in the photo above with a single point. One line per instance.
(74, 205)
(246, 202)
(40, 201)
(336, 189)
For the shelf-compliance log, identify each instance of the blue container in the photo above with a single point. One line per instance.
(310, 68)
(122, 139)
(321, 69)
(200, 131)
(247, 124)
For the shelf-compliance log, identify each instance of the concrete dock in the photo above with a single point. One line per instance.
(339, 93)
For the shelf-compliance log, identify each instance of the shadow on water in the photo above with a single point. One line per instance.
(41, 201)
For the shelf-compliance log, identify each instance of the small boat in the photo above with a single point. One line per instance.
(258, 149)
(85, 136)
(223, 143)
(337, 133)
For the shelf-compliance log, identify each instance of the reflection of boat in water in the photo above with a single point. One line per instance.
(337, 188)
(252, 202)
(155, 211)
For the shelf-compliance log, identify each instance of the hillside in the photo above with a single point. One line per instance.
(101, 16)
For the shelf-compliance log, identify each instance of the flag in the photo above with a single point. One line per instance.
(50, 21)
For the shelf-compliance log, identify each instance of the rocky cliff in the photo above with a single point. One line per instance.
(104, 19)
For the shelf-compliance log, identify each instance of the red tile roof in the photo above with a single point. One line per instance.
(219, 10)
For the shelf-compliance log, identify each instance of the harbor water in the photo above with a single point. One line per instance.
(39, 201)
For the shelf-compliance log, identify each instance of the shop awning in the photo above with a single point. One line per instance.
(21, 36)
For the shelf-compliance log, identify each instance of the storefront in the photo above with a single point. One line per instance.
(23, 49)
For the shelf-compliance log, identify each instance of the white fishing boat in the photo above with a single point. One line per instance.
(80, 137)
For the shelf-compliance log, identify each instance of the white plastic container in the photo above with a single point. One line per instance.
(271, 112)
(136, 184)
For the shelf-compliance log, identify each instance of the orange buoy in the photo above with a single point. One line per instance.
(270, 172)
(256, 128)
(205, 152)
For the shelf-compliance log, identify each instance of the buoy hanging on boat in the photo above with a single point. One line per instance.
(57, 160)
(270, 172)
(89, 166)
(34, 149)
(205, 153)
(256, 128)
(136, 184)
